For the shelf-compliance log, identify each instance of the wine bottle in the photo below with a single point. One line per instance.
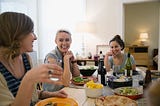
(147, 79)
(101, 72)
(128, 66)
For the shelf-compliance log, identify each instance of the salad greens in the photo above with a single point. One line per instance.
(78, 79)
(128, 91)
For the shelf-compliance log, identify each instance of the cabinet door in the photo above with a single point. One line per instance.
(141, 58)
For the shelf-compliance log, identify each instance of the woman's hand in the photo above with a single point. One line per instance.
(47, 94)
(69, 56)
(44, 72)
(109, 53)
(60, 93)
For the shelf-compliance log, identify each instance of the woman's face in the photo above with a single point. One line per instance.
(63, 41)
(115, 48)
(27, 42)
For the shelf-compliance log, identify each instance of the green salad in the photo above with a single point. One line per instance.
(78, 79)
(128, 91)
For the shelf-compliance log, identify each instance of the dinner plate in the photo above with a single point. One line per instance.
(131, 96)
(59, 101)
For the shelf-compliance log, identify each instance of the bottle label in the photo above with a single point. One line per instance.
(131, 72)
(128, 73)
(125, 72)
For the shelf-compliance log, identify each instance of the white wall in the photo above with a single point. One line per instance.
(54, 15)
(24, 6)
(107, 14)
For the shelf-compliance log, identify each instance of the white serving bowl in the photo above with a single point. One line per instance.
(93, 92)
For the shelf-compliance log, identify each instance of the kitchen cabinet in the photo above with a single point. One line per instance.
(140, 54)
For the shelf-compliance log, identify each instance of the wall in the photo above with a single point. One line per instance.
(107, 14)
(142, 17)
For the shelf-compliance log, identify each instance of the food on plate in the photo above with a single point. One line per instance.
(122, 81)
(51, 104)
(91, 84)
(54, 101)
(80, 80)
(121, 78)
(128, 91)
(88, 67)
(115, 100)
(57, 104)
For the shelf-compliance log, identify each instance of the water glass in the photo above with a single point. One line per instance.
(58, 62)
(136, 79)
(116, 69)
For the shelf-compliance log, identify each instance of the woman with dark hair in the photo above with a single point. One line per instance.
(18, 79)
(115, 57)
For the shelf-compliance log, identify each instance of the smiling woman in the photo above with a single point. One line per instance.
(52, 21)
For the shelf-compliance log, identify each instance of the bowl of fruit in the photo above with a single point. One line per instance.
(93, 90)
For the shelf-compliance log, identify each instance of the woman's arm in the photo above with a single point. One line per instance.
(106, 64)
(35, 75)
(66, 73)
(47, 94)
(24, 94)
(75, 69)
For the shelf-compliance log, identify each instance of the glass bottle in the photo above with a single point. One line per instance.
(147, 79)
(101, 72)
(128, 66)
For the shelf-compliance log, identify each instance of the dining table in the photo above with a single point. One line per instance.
(79, 95)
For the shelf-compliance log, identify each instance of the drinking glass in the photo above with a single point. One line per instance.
(116, 69)
(58, 62)
(137, 78)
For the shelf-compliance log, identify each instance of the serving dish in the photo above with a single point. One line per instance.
(57, 101)
(130, 92)
(87, 70)
(114, 82)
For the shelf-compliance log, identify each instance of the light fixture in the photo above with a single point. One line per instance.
(143, 38)
(85, 27)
